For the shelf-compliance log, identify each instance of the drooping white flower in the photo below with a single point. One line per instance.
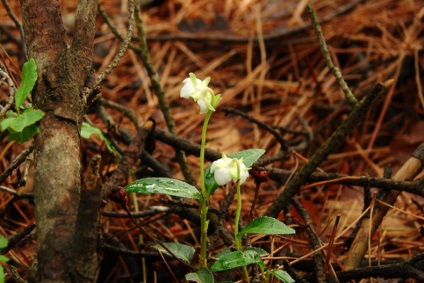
(200, 92)
(225, 170)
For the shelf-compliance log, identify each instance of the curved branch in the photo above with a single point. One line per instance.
(355, 117)
(122, 49)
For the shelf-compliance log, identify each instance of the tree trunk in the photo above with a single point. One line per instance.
(63, 72)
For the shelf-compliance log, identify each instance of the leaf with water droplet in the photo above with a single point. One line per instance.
(236, 259)
(266, 225)
(165, 186)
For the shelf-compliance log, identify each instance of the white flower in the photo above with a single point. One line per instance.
(200, 92)
(225, 170)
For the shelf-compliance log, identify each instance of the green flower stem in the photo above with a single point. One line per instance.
(204, 203)
(238, 212)
(237, 222)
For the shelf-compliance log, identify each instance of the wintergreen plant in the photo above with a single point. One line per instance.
(21, 125)
(233, 168)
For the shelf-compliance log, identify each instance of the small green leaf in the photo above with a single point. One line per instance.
(87, 130)
(25, 135)
(28, 117)
(181, 251)
(29, 77)
(3, 241)
(4, 258)
(5, 123)
(282, 275)
(260, 251)
(266, 225)
(10, 114)
(223, 252)
(165, 186)
(249, 156)
(237, 259)
(2, 275)
(203, 275)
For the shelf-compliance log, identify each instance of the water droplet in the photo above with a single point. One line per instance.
(172, 189)
(150, 187)
(225, 264)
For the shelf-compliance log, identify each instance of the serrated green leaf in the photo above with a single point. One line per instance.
(165, 186)
(28, 117)
(29, 77)
(3, 241)
(249, 156)
(203, 275)
(282, 275)
(237, 259)
(26, 134)
(181, 251)
(266, 225)
(87, 130)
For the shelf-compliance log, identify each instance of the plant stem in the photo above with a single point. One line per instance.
(237, 221)
(204, 202)
(238, 212)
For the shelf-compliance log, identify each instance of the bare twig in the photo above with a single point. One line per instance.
(160, 93)
(357, 115)
(129, 113)
(326, 53)
(122, 49)
(410, 268)
(18, 26)
(359, 246)
(414, 187)
(143, 52)
(18, 238)
(15, 163)
(313, 239)
(4, 76)
(266, 127)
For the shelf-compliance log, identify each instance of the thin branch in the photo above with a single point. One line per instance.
(410, 268)
(313, 239)
(129, 113)
(4, 76)
(326, 53)
(18, 26)
(122, 49)
(18, 238)
(113, 28)
(143, 52)
(415, 187)
(355, 117)
(359, 247)
(264, 126)
(15, 163)
(160, 93)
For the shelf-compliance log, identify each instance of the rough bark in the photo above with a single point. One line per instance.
(63, 72)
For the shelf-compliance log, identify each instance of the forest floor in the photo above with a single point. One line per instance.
(265, 60)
